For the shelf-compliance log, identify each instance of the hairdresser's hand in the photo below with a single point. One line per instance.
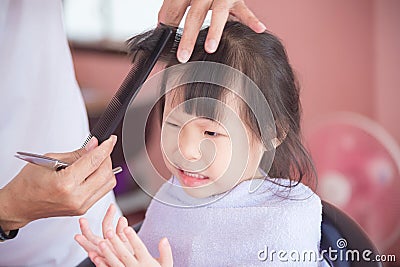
(38, 192)
(120, 247)
(172, 11)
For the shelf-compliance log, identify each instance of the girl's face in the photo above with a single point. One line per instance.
(208, 157)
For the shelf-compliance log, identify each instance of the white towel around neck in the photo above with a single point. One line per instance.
(233, 230)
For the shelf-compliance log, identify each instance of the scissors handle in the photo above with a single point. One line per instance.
(49, 162)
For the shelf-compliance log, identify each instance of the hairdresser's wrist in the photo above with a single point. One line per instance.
(8, 219)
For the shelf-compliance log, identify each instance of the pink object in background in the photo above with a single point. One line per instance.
(358, 169)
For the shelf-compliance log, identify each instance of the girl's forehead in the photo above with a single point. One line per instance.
(176, 97)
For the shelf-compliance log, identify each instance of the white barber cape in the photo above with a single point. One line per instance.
(41, 110)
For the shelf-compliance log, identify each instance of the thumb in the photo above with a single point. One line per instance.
(165, 259)
(92, 144)
(71, 157)
(75, 155)
(90, 161)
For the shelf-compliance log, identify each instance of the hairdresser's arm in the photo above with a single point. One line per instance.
(172, 11)
(37, 192)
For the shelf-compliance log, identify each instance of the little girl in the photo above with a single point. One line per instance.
(231, 139)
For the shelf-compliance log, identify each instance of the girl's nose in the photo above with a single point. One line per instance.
(189, 143)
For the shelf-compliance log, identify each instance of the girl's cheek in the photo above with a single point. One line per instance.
(222, 161)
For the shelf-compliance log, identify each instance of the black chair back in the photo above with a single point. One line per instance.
(347, 241)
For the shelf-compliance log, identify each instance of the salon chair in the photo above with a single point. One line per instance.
(338, 232)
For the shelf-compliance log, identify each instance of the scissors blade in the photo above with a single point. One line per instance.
(42, 160)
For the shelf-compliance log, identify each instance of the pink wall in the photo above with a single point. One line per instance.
(387, 64)
(343, 53)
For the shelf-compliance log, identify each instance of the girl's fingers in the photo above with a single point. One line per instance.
(92, 255)
(111, 246)
(85, 229)
(86, 244)
(139, 248)
(244, 14)
(108, 219)
(122, 223)
(123, 254)
(99, 262)
(165, 259)
(109, 256)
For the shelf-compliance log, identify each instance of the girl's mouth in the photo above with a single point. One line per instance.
(192, 179)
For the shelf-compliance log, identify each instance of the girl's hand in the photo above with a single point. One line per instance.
(115, 252)
(122, 247)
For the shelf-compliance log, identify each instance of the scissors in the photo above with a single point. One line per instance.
(49, 162)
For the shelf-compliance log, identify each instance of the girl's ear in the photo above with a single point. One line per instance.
(277, 141)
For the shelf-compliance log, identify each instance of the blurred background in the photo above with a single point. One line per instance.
(346, 55)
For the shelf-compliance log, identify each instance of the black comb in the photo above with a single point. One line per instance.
(128, 90)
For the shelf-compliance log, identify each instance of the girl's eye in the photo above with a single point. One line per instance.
(171, 124)
(214, 134)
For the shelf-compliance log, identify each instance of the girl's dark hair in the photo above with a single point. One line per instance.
(263, 59)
